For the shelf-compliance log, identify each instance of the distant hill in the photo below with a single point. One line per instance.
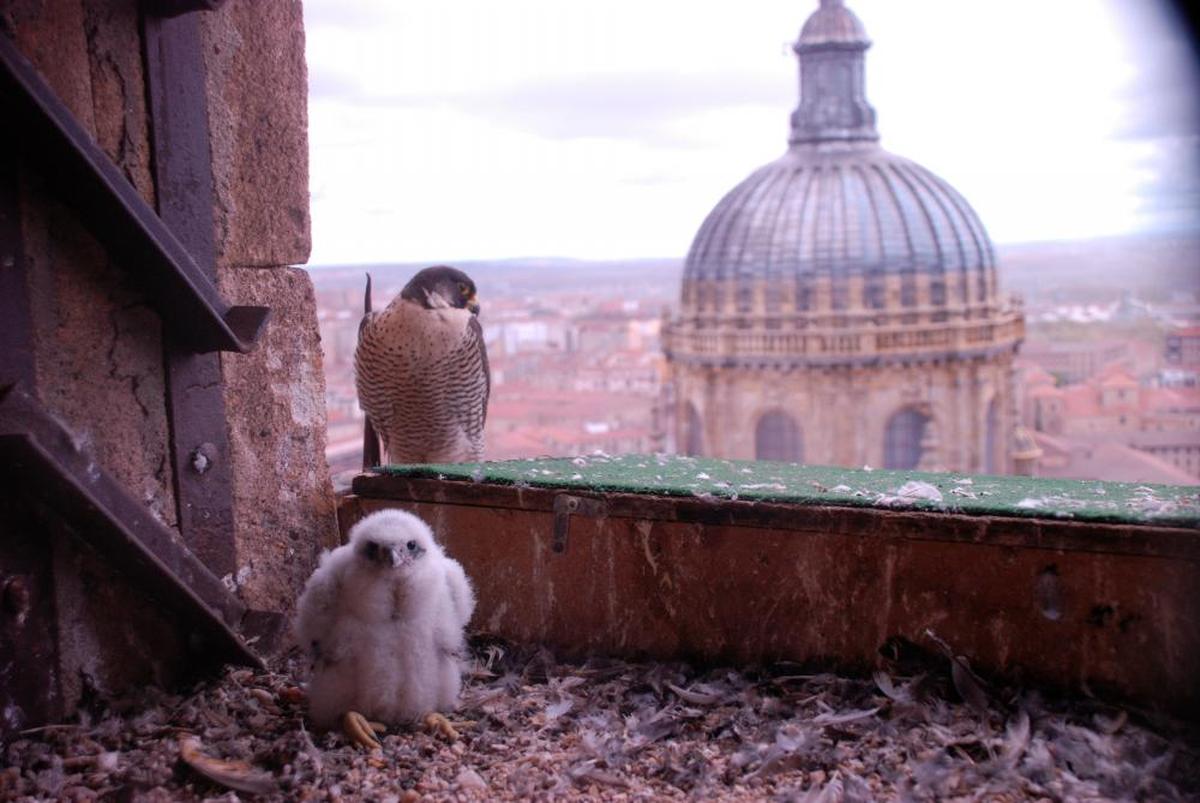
(1152, 267)
(1148, 266)
(634, 278)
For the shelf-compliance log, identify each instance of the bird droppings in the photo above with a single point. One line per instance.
(607, 729)
(764, 481)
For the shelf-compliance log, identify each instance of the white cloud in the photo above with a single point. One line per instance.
(455, 129)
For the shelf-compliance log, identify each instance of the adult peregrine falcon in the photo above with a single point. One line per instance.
(421, 371)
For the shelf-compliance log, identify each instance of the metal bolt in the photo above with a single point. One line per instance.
(1048, 592)
(203, 457)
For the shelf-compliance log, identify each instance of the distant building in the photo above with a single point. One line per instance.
(1112, 417)
(1077, 361)
(1183, 348)
(841, 305)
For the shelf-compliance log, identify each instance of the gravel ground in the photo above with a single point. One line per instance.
(536, 728)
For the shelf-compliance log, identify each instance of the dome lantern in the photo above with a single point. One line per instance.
(833, 103)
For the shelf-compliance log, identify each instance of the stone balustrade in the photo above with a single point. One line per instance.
(864, 340)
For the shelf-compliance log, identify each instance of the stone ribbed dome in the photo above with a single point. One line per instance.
(840, 212)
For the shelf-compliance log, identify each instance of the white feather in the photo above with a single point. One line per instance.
(386, 641)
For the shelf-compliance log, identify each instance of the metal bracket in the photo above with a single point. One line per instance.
(45, 461)
(85, 178)
(566, 505)
(200, 453)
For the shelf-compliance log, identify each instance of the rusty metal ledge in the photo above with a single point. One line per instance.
(54, 470)
(48, 135)
(1015, 532)
(1084, 607)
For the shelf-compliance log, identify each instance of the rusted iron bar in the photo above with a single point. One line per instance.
(52, 470)
(1050, 533)
(49, 137)
(177, 103)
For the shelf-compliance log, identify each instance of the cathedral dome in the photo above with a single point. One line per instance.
(840, 213)
(869, 254)
(839, 306)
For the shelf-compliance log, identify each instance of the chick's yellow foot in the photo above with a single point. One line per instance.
(361, 730)
(437, 724)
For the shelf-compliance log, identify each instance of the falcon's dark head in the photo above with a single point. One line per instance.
(442, 287)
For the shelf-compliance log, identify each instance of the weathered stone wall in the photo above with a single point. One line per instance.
(97, 339)
(98, 346)
(275, 399)
(275, 396)
(258, 118)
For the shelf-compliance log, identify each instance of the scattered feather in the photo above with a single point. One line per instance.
(237, 775)
(605, 729)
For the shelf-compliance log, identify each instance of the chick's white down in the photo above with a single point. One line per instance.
(383, 618)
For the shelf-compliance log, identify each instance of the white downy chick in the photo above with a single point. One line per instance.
(383, 619)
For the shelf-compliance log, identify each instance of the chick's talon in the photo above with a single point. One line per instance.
(438, 724)
(361, 731)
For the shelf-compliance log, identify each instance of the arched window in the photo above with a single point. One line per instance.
(902, 439)
(778, 438)
(693, 432)
(991, 456)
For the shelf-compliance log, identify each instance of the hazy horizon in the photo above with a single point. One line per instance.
(1142, 235)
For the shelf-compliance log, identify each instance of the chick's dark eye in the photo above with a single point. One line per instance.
(412, 546)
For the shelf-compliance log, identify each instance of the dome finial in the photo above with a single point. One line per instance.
(833, 104)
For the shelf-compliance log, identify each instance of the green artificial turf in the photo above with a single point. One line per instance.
(662, 475)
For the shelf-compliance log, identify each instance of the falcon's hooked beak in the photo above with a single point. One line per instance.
(473, 305)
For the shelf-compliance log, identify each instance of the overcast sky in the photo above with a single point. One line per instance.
(461, 129)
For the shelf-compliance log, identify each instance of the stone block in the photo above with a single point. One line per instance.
(97, 351)
(258, 118)
(114, 51)
(275, 401)
(50, 33)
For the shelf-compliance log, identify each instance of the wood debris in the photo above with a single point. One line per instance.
(536, 728)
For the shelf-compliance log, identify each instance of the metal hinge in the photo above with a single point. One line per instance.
(565, 506)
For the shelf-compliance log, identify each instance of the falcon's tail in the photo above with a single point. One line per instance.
(371, 451)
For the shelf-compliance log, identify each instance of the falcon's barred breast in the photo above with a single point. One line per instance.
(421, 371)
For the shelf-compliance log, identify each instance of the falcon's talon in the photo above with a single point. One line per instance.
(361, 731)
(438, 724)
